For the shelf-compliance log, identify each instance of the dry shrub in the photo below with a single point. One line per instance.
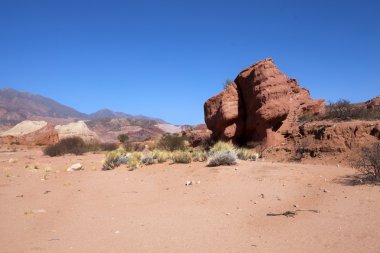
(199, 155)
(72, 145)
(247, 154)
(134, 161)
(344, 110)
(115, 158)
(369, 162)
(222, 158)
(172, 142)
(161, 155)
(221, 146)
(181, 157)
(108, 146)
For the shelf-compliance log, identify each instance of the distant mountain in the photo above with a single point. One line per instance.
(16, 106)
(106, 113)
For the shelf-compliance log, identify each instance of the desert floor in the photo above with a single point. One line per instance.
(47, 209)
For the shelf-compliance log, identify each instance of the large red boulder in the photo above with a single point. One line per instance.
(260, 105)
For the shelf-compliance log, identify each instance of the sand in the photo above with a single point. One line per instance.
(24, 127)
(151, 210)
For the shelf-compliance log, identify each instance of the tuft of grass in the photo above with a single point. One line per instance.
(114, 159)
(134, 161)
(247, 154)
(222, 158)
(199, 155)
(221, 146)
(181, 157)
(148, 159)
(161, 156)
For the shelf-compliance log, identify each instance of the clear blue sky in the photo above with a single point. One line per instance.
(165, 58)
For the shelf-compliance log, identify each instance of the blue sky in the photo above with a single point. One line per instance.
(166, 58)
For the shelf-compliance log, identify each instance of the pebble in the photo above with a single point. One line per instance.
(75, 167)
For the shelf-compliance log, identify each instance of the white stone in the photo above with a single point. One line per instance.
(75, 166)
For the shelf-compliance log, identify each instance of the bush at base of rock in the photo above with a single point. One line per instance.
(221, 146)
(222, 158)
(246, 154)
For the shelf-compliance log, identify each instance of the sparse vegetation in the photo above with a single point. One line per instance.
(108, 146)
(134, 161)
(343, 110)
(72, 145)
(123, 138)
(227, 82)
(161, 155)
(221, 146)
(148, 159)
(199, 155)
(181, 156)
(246, 154)
(222, 158)
(369, 162)
(172, 142)
(114, 159)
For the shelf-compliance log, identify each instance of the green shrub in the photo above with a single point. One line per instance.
(123, 138)
(227, 157)
(172, 142)
(72, 145)
(246, 154)
(181, 157)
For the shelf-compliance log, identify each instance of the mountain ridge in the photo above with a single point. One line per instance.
(17, 106)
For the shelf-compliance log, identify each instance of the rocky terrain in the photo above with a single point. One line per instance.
(262, 109)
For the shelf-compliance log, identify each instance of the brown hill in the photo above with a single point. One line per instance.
(16, 106)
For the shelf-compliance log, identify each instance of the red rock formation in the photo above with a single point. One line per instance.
(260, 104)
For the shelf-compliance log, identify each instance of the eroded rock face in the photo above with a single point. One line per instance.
(260, 104)
(224, 114)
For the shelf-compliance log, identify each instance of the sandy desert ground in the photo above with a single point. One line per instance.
(152, 210)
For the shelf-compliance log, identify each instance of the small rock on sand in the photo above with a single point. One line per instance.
(74, 167)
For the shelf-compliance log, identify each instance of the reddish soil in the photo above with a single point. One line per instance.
(151, 210)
